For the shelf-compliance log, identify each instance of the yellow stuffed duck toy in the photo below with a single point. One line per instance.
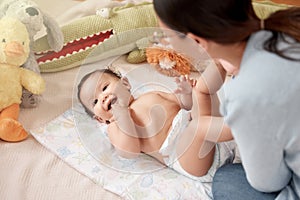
(14, 51)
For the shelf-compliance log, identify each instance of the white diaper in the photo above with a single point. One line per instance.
(225, 152)
(180, 122)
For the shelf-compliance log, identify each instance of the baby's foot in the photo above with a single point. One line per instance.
(12, 130)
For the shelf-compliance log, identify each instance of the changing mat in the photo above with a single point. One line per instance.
(82, 142)
(141, 178)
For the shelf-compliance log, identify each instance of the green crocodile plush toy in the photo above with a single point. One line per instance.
(113, 31)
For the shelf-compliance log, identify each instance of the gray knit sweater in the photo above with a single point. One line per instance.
(262, 107)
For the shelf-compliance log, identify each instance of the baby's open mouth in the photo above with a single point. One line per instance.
(111, 102)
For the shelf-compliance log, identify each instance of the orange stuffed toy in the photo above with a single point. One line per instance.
(169, 62)
(14, 51)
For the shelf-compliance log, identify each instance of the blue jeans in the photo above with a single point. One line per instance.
(230, 183)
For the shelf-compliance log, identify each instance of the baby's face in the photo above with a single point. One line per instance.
(97, 94)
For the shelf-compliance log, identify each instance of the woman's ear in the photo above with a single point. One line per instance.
(201, 41)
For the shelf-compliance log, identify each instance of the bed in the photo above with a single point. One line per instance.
(32, 170)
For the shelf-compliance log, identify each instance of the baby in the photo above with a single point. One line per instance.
(179, 129)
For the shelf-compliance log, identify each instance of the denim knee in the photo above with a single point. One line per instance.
(230, 183)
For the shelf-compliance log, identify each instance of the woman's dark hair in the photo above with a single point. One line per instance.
(82, 81)
(228, 21)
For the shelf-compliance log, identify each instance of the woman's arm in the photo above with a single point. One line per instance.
(216, 129)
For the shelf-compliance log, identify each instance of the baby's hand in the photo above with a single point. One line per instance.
(122, 92)
(184, 84)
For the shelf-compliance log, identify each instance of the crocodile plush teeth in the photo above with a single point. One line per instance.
(75, 46)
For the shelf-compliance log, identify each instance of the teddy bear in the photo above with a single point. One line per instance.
(14, 51)
(35, 20)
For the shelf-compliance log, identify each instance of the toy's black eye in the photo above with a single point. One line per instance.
(3, 40)
(95, 101)
(23, 43)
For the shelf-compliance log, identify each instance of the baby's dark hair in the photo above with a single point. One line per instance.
(82, 81)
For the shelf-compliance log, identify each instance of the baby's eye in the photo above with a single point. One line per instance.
(95, 101)
(104, 88)
(3, 40)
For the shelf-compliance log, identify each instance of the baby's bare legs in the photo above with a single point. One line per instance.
(189, 146)
(196, 145)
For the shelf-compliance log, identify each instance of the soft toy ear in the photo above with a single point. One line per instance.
(54, 34)
(4, 5)
(3, 8)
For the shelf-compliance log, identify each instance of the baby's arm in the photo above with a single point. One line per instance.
(122, 130)
(208, 84)
(184, 91)
(126, 145)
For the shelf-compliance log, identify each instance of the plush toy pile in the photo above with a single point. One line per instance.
(14, 51)
(35, 20)
(112, 32)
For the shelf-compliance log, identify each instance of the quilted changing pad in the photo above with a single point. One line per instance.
(141, 178)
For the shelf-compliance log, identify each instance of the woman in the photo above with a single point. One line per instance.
(261, 101)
